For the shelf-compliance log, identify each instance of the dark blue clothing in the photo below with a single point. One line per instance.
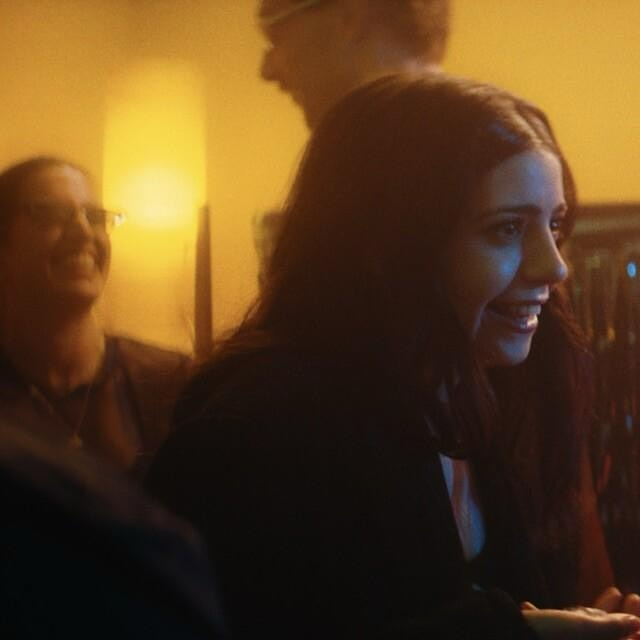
(85, 554)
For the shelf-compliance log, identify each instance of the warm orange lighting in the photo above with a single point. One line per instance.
(157, 196)
(155, 173)
(154, 158)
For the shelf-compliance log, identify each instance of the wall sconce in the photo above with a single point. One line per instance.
(154, 171)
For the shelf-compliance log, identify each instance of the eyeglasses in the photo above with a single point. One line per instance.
(285, 14)
(50, 213)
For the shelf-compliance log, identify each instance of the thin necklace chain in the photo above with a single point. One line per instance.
(75, 440)
(36, 393)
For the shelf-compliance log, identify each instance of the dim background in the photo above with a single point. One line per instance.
(161, 101)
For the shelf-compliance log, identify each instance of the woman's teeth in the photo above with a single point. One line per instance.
(519, 310)
(525, 314)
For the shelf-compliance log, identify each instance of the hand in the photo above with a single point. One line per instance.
(612, 600)
(581, 624)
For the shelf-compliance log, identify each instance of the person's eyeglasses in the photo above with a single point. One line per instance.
(46, 213)
(280, 16)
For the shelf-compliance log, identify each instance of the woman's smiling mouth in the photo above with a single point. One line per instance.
(519, 317)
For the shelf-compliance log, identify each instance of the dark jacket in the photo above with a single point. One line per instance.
(123, 415)
(322, 499)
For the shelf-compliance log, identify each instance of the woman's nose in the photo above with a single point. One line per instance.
(543, 262)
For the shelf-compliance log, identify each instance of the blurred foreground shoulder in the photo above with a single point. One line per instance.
(128, 568)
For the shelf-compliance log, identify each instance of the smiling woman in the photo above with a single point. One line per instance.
(505, 260)
(394, 439)
(61, 377)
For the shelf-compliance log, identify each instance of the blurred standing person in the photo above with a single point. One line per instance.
(61, 376)
(320, 50)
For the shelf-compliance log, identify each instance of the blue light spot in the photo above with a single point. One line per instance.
(632, 269)
(628, 423)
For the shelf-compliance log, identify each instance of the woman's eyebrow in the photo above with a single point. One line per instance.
(530, 209)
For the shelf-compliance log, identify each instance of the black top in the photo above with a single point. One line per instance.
(323, 502)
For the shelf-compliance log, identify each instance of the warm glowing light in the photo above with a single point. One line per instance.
(154, 159)
(155, 173)
(157, 196)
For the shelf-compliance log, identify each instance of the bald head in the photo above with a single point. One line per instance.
(320, 50)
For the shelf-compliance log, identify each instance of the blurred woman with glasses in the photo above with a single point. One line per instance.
(61, 377)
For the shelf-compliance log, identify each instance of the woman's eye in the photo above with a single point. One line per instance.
(557, 229)
(506, 229)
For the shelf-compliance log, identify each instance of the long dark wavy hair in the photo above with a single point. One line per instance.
(356, 276)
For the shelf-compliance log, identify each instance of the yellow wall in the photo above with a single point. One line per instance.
(55, 58)
(579, 59)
